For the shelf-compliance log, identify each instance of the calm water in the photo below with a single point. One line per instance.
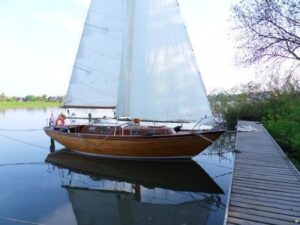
(89, 191)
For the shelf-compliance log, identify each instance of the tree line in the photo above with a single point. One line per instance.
(31, 98)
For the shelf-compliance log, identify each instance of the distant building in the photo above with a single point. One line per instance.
(259, 96)
(20, 99)
(55, 99)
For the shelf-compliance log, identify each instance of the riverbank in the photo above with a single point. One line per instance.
(34, 104)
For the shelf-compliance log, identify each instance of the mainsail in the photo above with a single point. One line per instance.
(159, 78)
(95, 76)
(136, 54)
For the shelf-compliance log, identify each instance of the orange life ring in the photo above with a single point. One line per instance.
(60, 121)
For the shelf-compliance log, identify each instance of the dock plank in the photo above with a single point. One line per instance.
(274, 182)
(261, 219)
(265, 185)
(266, 199)
(234, 220)
(267, 206)
(264, 195)
(268, 185)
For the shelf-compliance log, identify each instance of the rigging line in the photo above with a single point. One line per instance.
(205, 138)
(23, 142)
(20, 164)
(19, 221)
(221, 175)
(2, 129)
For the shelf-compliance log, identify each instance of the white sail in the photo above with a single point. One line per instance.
(95, 76)
(93, 207)
(159, 78)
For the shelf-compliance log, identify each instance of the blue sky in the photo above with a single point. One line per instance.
(39, 40)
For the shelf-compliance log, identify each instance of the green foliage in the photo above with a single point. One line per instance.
(278, 109)
(284, 125)
(30, 98)
(14, 104)
(236, 107)
(251, 111)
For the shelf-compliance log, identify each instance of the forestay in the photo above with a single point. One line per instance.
(94, 80)
(159, 78)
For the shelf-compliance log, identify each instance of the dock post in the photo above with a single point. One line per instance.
(52, 145)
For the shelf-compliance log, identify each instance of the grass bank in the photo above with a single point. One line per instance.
(34, 104)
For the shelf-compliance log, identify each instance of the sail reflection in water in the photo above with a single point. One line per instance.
(137, 192)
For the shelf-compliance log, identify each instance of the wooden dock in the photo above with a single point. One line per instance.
(265, 185)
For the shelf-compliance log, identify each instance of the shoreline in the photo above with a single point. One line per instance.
(29, 104)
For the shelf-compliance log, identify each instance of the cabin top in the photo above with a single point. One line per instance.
(127, 130)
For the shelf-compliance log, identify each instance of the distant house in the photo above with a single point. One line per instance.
(259, 96)
(18, 99)
(55, 99)
(60, 98)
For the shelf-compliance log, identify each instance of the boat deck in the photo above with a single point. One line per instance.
(265, 185)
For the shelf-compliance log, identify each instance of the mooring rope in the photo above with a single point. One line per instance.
(23, 142)
(223, 174)
(22, 163)
(37, 129)
(19, 221)
(202, 136)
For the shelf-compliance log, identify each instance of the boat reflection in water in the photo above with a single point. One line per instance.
(137, 192)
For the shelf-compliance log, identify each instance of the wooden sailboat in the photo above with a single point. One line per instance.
(168, 145)
(136, 57)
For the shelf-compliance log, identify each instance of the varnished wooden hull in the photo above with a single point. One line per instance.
(160, 146)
